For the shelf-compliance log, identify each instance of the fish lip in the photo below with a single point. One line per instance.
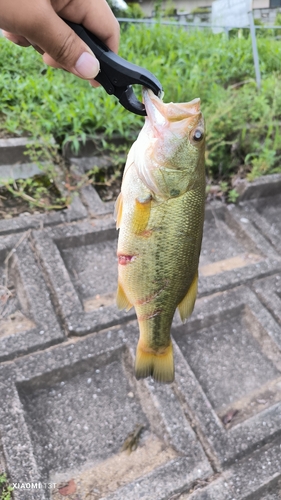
(154, 108)
(160, 113)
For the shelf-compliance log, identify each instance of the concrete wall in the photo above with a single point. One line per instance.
(189, 5)
(181, 5)
(261, 4)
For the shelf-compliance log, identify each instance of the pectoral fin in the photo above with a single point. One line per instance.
(186, 306)
(118, 210)
(121, 299)
(141, 214)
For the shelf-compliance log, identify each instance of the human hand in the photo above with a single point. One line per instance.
(37, 23)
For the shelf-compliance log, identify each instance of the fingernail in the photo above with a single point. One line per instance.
(87, 65)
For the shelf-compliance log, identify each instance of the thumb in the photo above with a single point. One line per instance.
(62, 47)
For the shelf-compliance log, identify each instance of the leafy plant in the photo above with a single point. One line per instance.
(277, 22)
(232, 196)
(115, 7)
(157, 8)
(134, 11)
(201, 10)
(5, 488)
(243, 125)
(38, 191)
(170, 9)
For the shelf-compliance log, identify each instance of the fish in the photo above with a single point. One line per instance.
(160, 213)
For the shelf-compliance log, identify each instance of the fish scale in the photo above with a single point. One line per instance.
(160, 213)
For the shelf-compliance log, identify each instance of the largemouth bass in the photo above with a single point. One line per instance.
(160, 213)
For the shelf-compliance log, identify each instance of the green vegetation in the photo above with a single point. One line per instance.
(201, 10)
(243, 125)
(277, 22)
(38, 192)
(133, 11)
(170, 9)
(5, 489)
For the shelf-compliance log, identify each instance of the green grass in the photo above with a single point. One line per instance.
(5, 489)
(243, 125)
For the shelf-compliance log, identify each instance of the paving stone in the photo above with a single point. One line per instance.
(92, 147)
(18, 171)
(265, 214)
(96, 207)
(228, 369)
(2, 462)
(27, 318)
(76, 211)
(233, 250)
(88, 270)
(254, 478)
(263, 187)
(81, 265)
(214, 434)
(70, 409)
(269, 292)
(12, 150)
(15, 161)
(87, 148)
(88, 163)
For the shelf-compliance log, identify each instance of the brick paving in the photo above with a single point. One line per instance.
(69, 398)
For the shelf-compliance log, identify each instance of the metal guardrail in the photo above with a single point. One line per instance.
(185, 23)
(252, 27)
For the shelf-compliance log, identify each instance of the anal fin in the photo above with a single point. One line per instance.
(186, 306)
(121, 299)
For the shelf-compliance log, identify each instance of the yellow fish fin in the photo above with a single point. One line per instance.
(141, 214)
(121, 299)
(186, 306)
(118, 210)
(159, 366)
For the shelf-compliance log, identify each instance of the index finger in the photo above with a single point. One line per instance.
(97, 17)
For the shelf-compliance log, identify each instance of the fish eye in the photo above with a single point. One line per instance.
(198, 135)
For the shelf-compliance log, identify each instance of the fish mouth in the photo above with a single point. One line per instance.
(160, 113)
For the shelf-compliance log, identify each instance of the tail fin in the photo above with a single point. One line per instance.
(159, 366)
